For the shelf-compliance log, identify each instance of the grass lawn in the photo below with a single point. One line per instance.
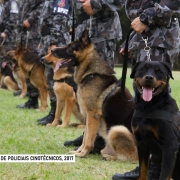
(20, 134)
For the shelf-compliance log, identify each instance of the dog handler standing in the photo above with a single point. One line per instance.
(29, 36)
(156, 27)
(54, 27)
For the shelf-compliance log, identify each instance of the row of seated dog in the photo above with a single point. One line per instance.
(134, 128)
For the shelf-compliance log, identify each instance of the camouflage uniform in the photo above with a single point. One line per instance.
(9, 17)
(104, 26)
(162, 32)
(29, 10)
(54, 28)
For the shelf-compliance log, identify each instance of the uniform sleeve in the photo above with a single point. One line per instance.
(36, 7)
(161, 14)
(97, 4)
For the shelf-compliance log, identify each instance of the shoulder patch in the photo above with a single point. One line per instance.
(14, 7)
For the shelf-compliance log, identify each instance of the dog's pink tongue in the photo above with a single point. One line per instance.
(58, 64)
(147, 94)
(4, 64)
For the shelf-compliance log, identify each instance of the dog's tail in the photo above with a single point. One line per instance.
(123, 143)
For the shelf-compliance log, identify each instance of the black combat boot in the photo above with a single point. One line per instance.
(99, 144)
(75, 142)
(31, 103)
(17, 93)
(131, 175)
(50, 117)
(153, 173)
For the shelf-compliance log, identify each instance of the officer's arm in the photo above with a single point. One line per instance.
(97, 4)
(34, 14)
(161, 14)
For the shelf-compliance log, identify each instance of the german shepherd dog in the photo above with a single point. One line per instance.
(99, 99)
(33, 70)
(156, 120)
(65, 89)
(19, 78)
(10, 74)
(18, 81)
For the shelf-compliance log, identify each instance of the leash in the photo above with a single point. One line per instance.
(122, 81)
(73, 25)
(2, 42)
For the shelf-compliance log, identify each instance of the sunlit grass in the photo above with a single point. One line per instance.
(20, 134)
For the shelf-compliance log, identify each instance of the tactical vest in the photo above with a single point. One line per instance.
(61, 7)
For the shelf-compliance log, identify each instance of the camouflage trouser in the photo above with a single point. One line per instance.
(32, 44)
(47, 41)
(9, 46)
(50, 82)
(156, 54)
(106, 50)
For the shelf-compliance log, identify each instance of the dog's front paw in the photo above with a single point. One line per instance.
(80, 154)
(49, 124)
(61, 126)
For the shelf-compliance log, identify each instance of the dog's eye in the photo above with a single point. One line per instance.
(142, 69)
(158, 71)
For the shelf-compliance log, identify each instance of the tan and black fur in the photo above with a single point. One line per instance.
(19, 78)
(10, 74)
(33, 70)
(156, 120)
(100, 100)
(65, 90)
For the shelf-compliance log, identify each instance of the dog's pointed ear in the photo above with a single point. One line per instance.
(85, 37)
(132, 75)
(169, 68)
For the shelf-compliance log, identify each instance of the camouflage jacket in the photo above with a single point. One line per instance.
(163, 26)
(30, 10)
(1, 8)
(104, 24)
(55, 15)
(9, 17)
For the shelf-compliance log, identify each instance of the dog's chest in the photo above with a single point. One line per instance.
(145, 130)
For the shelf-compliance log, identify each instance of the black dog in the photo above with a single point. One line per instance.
(156, 120)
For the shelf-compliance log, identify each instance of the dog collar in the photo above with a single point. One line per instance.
(86, 78)
(64, 80)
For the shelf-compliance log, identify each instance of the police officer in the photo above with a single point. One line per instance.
(9, 16)
(156, 27)
(54, 27)
(29, 36)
